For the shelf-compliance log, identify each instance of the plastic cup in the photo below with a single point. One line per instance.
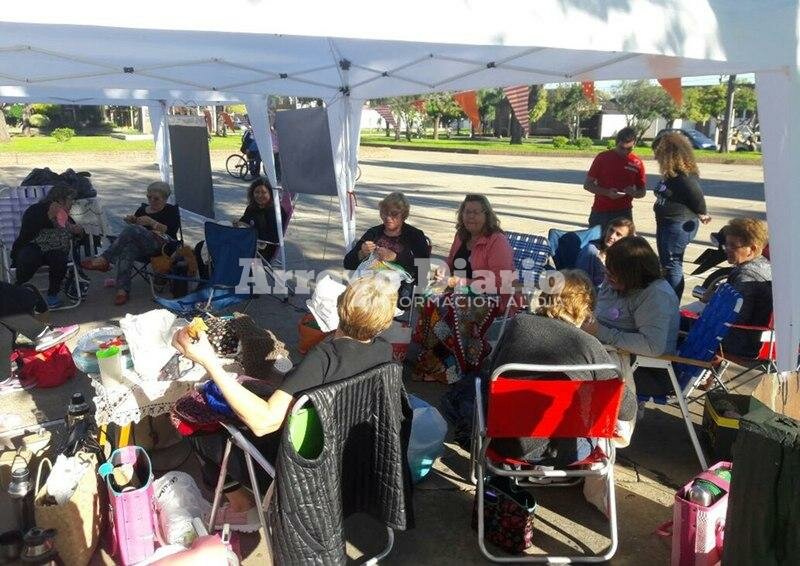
(109, 361)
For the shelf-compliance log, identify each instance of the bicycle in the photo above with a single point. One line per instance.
(239, 167)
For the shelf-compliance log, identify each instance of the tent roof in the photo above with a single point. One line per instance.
(167, 50)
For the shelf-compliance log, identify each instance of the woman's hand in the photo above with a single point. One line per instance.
(385, 254)
(144, 221)
(590, 326)
(199, 351)
(130, 219)
(367, 248)
(704, 218)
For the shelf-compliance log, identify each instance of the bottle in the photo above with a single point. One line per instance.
(20, 490)
(724, 473)
(704, 492)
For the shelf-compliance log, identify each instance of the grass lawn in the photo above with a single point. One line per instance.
(99, 144)
(532, 146)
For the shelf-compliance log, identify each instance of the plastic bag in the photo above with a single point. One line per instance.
(64, 477)
(149, 338)
(178, 500)
(428, 430)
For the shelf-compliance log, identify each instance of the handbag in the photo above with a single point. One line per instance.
(508, 513)
(50, 368)
(78, 522)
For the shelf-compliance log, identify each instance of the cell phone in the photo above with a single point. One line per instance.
(698, 292)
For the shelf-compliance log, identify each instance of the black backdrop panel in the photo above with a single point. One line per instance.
(305, 151)
(191, 164)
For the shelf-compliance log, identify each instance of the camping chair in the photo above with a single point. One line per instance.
(142, 268)
(565, 246)
(764, 360)
(552, 407)
(226, 245)
(531, 253)
(695, 361)
(13, 204)
(306, 433)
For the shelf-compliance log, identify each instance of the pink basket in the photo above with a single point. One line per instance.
(132, 512)
(697, 531)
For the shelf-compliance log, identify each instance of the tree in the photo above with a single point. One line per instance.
(570, 106)
(704, 102)
(745, 100)
(643, 102)
(404, 111)
(537, 103)
(727, 125)
(441, 107)
(4, 135)
(488, 99)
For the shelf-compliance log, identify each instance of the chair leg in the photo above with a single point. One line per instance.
(612, 513)
(223, 471)
(687, 419)
(474, 449)
(259, 502)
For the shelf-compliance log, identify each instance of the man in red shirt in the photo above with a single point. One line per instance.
(616, 177)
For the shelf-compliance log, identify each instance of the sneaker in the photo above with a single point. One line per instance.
(241, 521)
(52, 336)
(53, 301)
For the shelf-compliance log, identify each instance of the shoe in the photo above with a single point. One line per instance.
(640, 410)
(53, 301)
(52, 336)
(241, 521)
(97, 263)
(121, 298)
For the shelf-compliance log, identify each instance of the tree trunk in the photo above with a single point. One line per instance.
(4, 135)
(387, 129)
(397, 123)
(436, 127)
(408, 128)
(727, 129)
(516, 131)
(26, 120)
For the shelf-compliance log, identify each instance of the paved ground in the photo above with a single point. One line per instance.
(530, 194)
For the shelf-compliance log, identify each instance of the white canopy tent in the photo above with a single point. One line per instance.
(181, 53)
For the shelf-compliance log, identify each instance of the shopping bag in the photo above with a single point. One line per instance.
(79, 521)
(508, 513)
(49, 368)
(426, 443)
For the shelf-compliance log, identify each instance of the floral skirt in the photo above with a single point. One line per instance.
(451, 336)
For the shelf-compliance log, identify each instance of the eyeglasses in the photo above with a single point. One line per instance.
(728, 246)
(391, 214)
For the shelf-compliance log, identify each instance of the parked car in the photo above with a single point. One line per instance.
(698, 139)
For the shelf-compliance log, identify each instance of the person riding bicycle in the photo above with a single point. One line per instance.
(250, 149)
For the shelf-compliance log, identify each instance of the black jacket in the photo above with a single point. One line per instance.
(414, 242)
(363, 467)
(679, 198)
(34, 220)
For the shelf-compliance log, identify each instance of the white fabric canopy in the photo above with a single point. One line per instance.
(183, 53)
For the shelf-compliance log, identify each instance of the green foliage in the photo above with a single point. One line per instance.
(488, 99)
(704, 102)
(49, 110)
(611, 144)
(404, 111)
(39, 121)
(643, 102)
(236, 109)
(570, 106)
(63, 134)
(15, 112)
(582, 143)
(744, 98)
(539, 105)
(560, 142)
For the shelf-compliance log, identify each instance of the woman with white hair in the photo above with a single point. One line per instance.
(149, 229)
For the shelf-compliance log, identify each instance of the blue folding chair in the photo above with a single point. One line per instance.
(695, 361)
(565, 246)
(226, 245)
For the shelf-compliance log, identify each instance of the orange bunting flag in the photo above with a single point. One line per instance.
(468, 102)
(518, 98)
(673, 88)
(588, 91)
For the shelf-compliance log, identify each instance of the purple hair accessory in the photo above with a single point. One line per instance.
(613, 313)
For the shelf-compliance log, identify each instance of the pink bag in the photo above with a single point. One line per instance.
(698, 531)
(133, 513)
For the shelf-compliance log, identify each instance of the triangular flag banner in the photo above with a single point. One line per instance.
(419, 105)
(468, 102)
(518, 98)
(386, 113)
(588, 91)
(673, 88)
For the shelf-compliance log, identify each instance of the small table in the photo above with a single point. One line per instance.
(126, 405)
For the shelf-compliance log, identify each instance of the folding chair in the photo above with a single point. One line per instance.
(696, 360)
(13, 204)
(552, 406)
(226, 245)
(565, 246)
(764, 360)
(306, 435)
(531, 253)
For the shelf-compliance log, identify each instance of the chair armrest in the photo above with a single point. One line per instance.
(752, 328)
(680, 360)
(479, 407)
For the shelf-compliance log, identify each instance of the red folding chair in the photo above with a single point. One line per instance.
(764, 361)
(546, 404)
